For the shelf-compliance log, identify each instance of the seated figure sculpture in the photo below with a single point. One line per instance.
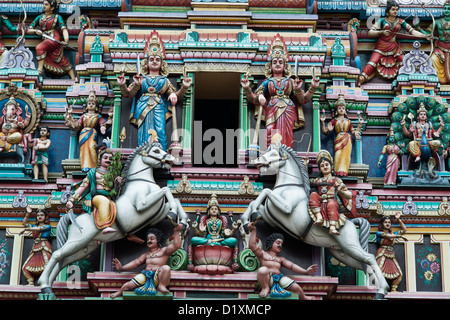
(12, 127)
(423, 144)
(213, 248)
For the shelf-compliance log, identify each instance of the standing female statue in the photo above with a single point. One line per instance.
(155, 93)
(280, 96)
(344, 129)
(88, 124)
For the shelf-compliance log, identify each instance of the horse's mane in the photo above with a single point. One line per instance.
(300, 164)
(144, 147)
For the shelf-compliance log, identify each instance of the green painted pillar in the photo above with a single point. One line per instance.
(188, 116)
(115, 128)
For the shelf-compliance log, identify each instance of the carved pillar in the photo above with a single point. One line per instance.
(188, 120)
(16, 260)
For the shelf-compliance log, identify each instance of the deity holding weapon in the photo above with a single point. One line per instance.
(387, 57)
(50, 52)
(153, 90)
(279, 97)
(88, 124)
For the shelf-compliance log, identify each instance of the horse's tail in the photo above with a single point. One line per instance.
(62, 230)
(364, 231)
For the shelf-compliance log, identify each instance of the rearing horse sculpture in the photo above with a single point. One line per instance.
(286, 207)
(142, 203)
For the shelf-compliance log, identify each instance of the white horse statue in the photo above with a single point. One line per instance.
(142, 203)
(286, 207)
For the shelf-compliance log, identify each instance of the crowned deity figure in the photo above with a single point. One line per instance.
(154, 92)
(280, 96)
(12, 126)
(212, 229)
(393, 152)
(344, 130)
(88, 124)
(387, 57)
(423, 144)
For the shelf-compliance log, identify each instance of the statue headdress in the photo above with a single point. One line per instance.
(154, 46)
(212, 201)
(324, 154)
(92, 97)
(13, 101)
(340, 100)
(422, 108)
(278, 49)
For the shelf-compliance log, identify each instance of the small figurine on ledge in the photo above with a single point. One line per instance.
(385, 254)
(269, 274)
(42, 250)
(387, 57)
(88, 124)
(280, 97)
(156, 275)
(39, 154)
(344, 130)
(393, 152)
(99, 185)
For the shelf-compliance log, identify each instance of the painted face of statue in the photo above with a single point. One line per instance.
(106, 160)
(47, 6)
(11, 110)
(214, 211)
(154, 63)
(422, 116)
(392, 138)
(44, 132)
(387, 224)
(152, 241)
(325, 167)
(341, 110)
(277, 66)
(91, 106)
(40, 217)
(393, 12)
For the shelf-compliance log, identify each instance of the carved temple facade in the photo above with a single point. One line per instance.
(217, 44)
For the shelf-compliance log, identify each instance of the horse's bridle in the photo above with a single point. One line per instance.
(145, 154)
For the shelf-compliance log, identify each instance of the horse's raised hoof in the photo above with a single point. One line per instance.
(379, 296)
(255, 217)
(172, 216)
(46, 290)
